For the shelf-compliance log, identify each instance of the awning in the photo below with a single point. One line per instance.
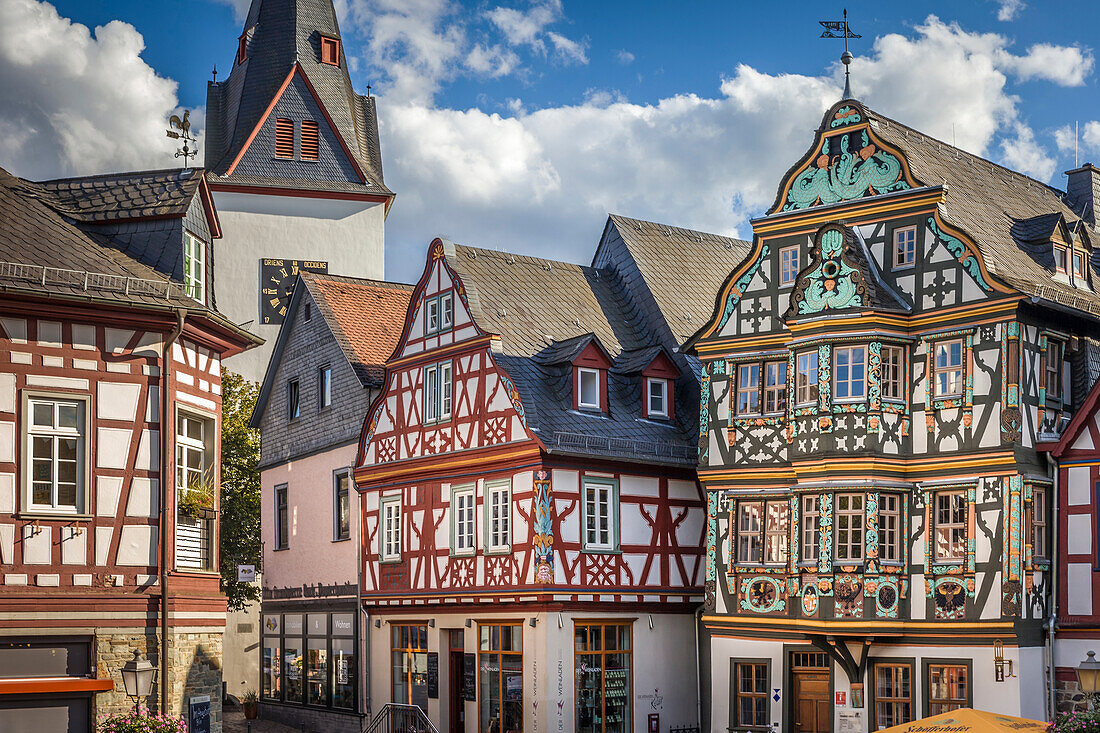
(967, 720)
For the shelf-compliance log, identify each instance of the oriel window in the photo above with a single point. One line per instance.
(850, 372)
(1039, 523)
(948, 368)
(762, 529)
(811, 527)
(775, 387)
(905, 247)
(848, 518)
(1053, 359)
(889, 527)
(788, 265)
(893, 373)
(748, 389)
(806, 378)
(950, 526)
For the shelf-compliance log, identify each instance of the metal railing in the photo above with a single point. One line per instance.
(89, 281)
(624, 445)
(397, 718)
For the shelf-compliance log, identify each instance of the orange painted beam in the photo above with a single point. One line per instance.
(48, 685)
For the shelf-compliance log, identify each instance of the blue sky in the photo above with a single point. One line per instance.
(520, 124)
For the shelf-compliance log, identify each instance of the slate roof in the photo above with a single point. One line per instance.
(683, 268)
(282, 33)
(365, 316)
(120, 196)
(545, 310)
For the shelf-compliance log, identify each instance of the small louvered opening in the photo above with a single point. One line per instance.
(330, 51)
(242, 48)
(284, 139)
(309, 140)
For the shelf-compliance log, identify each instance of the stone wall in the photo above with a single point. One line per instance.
(1069, 698)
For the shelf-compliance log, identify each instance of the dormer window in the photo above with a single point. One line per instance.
(242, 48)
(657, 397)
(658, 383)
(1079, 265)
(330, 51)
(194, 267)
(588, 388)
(1059, 258)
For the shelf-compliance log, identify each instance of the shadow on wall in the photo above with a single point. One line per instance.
(204, 678)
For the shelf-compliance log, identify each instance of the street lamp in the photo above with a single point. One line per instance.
(138, 675)
(1088, 676)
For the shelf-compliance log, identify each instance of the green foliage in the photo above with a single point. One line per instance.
(142, 721)
(1076, 722)
(240, 508)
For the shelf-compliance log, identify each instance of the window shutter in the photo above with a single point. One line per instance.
(242, 48)
(284, 139)
(309, 140)
(330, 51)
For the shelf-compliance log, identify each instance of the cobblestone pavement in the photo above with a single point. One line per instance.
(233, 721)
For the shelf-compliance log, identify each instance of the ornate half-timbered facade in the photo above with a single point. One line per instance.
(877, 374)
(531, 520)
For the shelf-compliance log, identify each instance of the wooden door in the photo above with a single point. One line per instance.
(812, 711)
(457, 704)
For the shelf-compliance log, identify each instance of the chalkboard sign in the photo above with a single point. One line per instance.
(469, 677)
(198, 714)
(433, 675)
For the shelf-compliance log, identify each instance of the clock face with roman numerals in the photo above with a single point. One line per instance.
(276, 284)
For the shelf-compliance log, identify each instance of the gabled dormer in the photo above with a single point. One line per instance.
(653, 373)
(1061, 247)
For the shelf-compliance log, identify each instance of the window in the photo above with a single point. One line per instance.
(948, 688)
(893, 691)
(293, 653)
(762, 532)
(603, 661)
(1039, 523)
(446, 311)
(1079, 265)
(317, 659)
(431, 316)
(310, 144)
(55, 436)
(748, 389)
(293, 406)
(439, 314)
(849, 528)
(657, 394)
(889, 528)
(500, 677)
(324, 387)
(391, 528)
(788, 265)
(750, 695)
(1059, 258)
(893, 373)
(330, 51)
(341, 505)
(462, 521)
(905, 247)
(271, 672)
(242, 48)
(950, 526)
(948, 368)
(811, 527)
(196, 492)
(284, 139)
(588, 388)
(409, 654)
(850, 367)
(1053, 360)
(499, 521)
(775, 386)
(194, 267)
(806, 378)
(282, 533)
(600, 515)
(309, 313)
(437, 392)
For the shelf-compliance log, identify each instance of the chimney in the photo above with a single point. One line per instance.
(1083, 191)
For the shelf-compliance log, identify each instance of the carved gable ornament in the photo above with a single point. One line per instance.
(847, 162)
(835, 278)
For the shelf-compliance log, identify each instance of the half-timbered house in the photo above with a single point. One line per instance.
(110, 402)
(531, 520)
(877, 374)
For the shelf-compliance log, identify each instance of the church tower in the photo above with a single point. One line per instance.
(294, 165)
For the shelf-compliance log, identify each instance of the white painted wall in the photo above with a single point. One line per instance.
(349, 235)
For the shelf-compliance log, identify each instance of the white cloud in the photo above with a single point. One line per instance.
(1021, 152)
(493, 61)
(525, 27)
(240, 7)
(624, 57)
(1087, 140)
(75, 102)
(569, 50)
(1008, 9)
(1066, 66)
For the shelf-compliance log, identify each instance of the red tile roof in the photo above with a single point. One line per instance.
(366, 316)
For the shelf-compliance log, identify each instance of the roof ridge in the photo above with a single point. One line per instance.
(98, 176)
(350, 279)
(621, 217)
(518, 258)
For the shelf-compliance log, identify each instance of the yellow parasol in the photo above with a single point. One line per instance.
(968, 720)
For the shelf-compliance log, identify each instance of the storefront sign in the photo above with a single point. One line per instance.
(433, 675)
(246, 573)
(317, 590)
(198, 714)
(841, 699)
(469, 677)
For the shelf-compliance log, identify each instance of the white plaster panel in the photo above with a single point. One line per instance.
(1084, 440)
(83, 336)
(215, 366)
(1078, 480)
(118, 401)
(7, 442)
(47, 579)
(200, 401)
(690, 531)
(1079, 588)
(148, 453)
(148, 345)
(107, 491)
(41, 380)
(7, 393)
(639, 486)
(138, 546)
(37, 546)
(49, 333)
(1079, 541)
(633, 529)
(74, 545)
(117, 338)
(103, 544)
(7, 493)
(53, 361)
(118, 367)
(16, 329)
(150, 370)
(144, 498)
(112, 447)
(88, 365)
(82, 579)
(7, 544)
(15, 579)
(152, 405)
(916, 594)
(185, 378)
(19, 357)
(682, 490)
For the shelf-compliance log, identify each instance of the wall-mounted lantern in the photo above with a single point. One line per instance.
(137, 678)
(1002, 667)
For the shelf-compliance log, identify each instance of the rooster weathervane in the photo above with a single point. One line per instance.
(182, 131)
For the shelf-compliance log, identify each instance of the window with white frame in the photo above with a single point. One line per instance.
(196, 491)
(431, 316)
(889, 528)
(324, 387)
(293, 395)
(1039, 549)
(762, 528)
(748, 389)
(600, 515)
(341, 505)
(498, 521)
(811, 527)
(390, 536)
(194, 267)
(947, 367)
(55, 436)
(775, 386)
(462, 520)
(893, 373)
(848, 518)
(657, 394)
(806, 378)
(446, 311)
(850, 372)
(949, 522)
(788, 265)
(192, 471)
(588, 388)
(1052, 359)
(437, 392)
(905, 247)
(438, 313)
